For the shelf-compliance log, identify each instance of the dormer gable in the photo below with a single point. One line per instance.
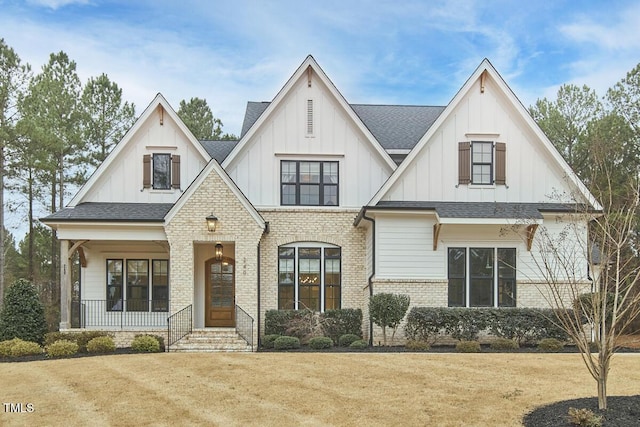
(484, 147)
(154, 162)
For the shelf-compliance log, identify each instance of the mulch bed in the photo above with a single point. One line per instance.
(622, 411)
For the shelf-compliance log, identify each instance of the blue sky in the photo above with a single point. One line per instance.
(387, 52)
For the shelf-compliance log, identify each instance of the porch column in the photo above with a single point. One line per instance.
(65, 286)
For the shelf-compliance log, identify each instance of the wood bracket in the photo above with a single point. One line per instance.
(531, 232)
(482, 78)
(309, 71)
(436, 235)
(77, 246)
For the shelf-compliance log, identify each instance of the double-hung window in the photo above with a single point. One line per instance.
(482, 163)
(482, 277)
(306, 183)
(309, 276)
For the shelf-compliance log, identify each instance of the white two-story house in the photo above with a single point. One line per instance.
(319, 205)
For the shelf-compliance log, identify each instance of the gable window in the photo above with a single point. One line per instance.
(482, 163)
(309, 276)
(482, 277)
(161, 171)
(304, 183)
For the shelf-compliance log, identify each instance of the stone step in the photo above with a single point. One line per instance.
(212, 340)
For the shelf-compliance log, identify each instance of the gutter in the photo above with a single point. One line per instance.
(363, 215)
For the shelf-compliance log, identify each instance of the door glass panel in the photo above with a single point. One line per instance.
(221, 284)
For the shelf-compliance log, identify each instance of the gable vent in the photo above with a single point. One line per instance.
(309, 116)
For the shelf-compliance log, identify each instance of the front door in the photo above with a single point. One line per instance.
(220, 292)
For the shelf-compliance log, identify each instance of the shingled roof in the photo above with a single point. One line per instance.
(478, 210)
(219, 150)
(394, 126)
(112, 212)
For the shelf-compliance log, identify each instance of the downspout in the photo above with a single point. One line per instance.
(373, 269)
(258, 320)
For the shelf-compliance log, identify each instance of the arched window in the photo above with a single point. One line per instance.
(309, 276)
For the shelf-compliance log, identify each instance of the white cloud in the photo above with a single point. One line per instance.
(56, 4)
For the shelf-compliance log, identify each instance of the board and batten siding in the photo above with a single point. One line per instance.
(122, 180)
(283, 136)
(532, 175)
(404, 248)
(94, 275)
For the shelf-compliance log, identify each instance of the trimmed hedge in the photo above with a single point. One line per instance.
(417, 345)
(62, 348)
(17, 347)
(80, 338)
(267, 341)
(359, 345)
(320, 343)
(101, 345)
(468, 347)
(346, 339)
(523, 325)
(331, 323)
(286, 343)
(145, 344)
(550, 345)
(504, 344)
(160, 339)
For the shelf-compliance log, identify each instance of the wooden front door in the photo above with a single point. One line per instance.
(220, 282)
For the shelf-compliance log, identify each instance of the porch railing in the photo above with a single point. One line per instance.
(131, 313)
(179, 325)
(244, 325)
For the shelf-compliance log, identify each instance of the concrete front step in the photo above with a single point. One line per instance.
(211, 340)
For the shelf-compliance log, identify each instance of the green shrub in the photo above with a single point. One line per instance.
(275, 321)
(25, 348)
(22, 315)
(414, 345)
(319, 343)
(160, 339)
(468, 347)
(267, 341)
(336, 323)
(346, 339)
(145, 344)
(504, 344)
(62, 348)
(550, 345)
(359, 345)
(80, 338)
(101, 345)
(17, 347)
(387, 311)
(6, 346)
(286, 343)
(425, 324)
(584, 418)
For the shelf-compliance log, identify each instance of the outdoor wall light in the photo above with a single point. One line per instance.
(212, 222)
(218, 251)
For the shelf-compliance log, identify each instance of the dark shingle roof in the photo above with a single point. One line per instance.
(219, 150)
(397, 126)
(394, 126)
(112, 212)
(484, 209)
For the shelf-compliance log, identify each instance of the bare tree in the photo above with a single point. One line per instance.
(591, 277)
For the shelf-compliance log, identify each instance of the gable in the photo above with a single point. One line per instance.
(487, 113)
(122, 177)
(308, 121)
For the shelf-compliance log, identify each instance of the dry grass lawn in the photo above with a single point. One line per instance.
(300, 388)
